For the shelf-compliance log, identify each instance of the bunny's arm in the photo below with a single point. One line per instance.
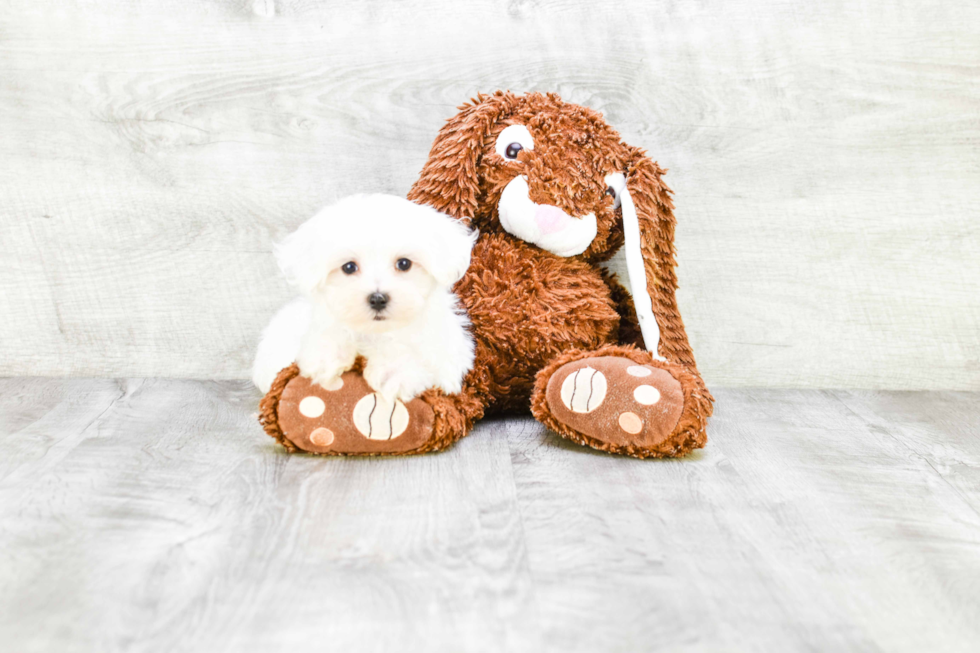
(629, 326)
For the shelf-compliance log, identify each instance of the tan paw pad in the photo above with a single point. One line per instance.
(631, 423)
(321, 437)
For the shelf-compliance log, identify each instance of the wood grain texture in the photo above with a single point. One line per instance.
(154, 515)
(824, 156)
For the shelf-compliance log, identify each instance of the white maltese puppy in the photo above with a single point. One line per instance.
(375, 276)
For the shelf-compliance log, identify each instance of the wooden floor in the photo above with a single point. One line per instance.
(154, 515)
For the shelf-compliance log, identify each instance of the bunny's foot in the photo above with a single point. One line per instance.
(348, 418)
(622, 400)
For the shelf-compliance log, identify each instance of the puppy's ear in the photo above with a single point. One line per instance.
(654, 212)
(446, 246)
(448, 181)
(308, 254)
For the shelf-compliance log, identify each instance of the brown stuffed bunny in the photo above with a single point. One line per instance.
(554, 193)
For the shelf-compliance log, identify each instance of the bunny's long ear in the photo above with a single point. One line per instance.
(646, 204)
(449, 181)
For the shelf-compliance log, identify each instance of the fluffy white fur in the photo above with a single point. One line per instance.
(419, 339)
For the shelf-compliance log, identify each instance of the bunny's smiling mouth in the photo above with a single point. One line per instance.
(544, 225)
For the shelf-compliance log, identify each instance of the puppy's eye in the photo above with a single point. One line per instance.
(512, 150)
(350, 267)
(403, 265)
(610, 192)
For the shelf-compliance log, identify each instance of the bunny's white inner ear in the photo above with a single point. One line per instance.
(634, 266)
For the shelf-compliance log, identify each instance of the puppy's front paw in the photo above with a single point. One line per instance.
(393, 382)
(328, 381)
(324, 371)
(328, 378)
(402, 388)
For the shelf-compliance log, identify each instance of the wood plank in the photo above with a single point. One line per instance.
(824, 157)
(800, 527)
(171, 522)
(938, 430)
(155, 515)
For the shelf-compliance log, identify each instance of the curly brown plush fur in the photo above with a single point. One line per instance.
(532, 311)
(269, 406)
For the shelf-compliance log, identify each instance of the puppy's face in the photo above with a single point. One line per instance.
(378, 290)
(372, 262)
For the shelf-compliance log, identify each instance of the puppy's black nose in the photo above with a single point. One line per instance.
(378, 300)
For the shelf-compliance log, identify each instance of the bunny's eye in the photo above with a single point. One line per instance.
(513, 140)
(350, 267)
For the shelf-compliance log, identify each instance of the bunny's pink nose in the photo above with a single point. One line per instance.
(550, 218)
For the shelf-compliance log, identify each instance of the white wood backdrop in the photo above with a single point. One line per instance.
(825, 156)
